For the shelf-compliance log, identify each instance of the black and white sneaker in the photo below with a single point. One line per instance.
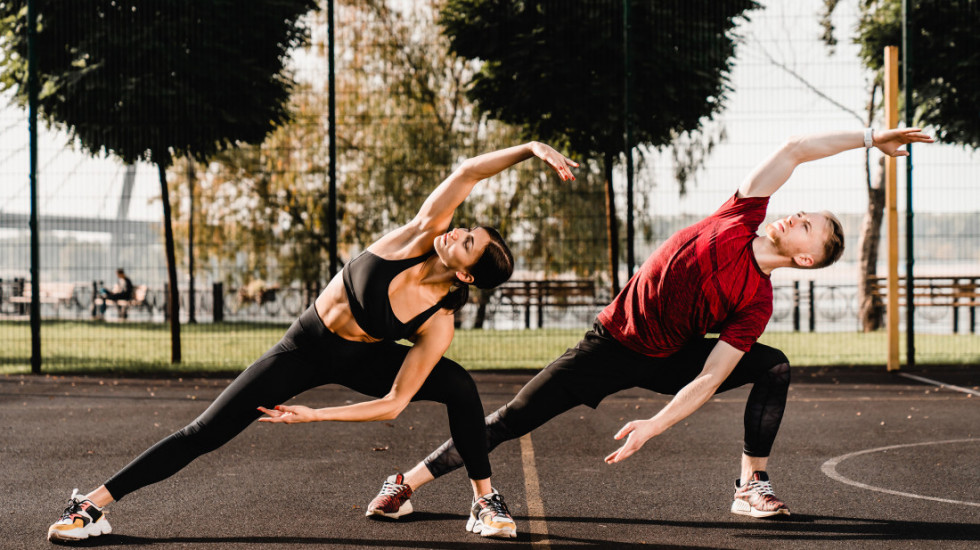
(489, 517)
(80, 520)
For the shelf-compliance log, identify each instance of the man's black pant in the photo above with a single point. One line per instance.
(599, 366)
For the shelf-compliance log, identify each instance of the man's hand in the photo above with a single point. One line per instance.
(638, 432)
(889, 141)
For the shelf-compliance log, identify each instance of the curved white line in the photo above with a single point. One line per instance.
(830, 468)
(939, 384)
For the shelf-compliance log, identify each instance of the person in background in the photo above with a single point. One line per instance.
(122, 290)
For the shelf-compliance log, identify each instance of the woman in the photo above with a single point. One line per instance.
(420, 272)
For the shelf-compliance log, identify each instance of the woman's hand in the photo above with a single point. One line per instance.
(556, 160)
(286, 414)
(888, 141)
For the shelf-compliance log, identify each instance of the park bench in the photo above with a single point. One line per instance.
(122, 306)
(546, 293)
(49, 293)
(936, 291)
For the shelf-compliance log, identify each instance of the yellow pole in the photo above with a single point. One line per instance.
(891, 209)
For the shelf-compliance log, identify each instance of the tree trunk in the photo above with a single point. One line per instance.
(612, 225)
(173, 300)
(870, 308)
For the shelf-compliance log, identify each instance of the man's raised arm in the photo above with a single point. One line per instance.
(773, 172)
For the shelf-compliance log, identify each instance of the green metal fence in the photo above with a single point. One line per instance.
(253, 224)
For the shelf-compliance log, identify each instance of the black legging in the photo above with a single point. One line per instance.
(599, 366)
(308, 356)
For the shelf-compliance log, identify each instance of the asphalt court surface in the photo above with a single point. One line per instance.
(865, 459)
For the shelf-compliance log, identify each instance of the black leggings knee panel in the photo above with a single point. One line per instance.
(764, 410)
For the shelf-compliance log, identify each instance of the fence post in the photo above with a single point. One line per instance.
(796, 306)
(540, 296)
(527, 304)
(218, 301)
(813, 307)
(973, 309)
(956, 309)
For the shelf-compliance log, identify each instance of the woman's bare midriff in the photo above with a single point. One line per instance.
(334, 311)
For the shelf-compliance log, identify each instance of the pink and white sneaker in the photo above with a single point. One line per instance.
(756, 498)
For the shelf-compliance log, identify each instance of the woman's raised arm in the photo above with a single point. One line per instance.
(437, 210)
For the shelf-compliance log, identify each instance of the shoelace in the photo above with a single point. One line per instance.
(764, 488)
(73, 504)
(497, 505)
(390, 489)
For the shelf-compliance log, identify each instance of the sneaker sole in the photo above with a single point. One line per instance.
(404, 510)
(91, 530)
(743, 508)
(473, 525)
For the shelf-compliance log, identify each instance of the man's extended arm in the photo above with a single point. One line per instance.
(773, 172)
(719, 364)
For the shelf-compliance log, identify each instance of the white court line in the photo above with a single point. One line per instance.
(535, 508)
(830, 468)
(940, 384)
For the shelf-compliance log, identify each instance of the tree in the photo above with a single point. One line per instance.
(401, 127)
(404, 123)
(556, 69)
(158, 79)
(945, 55)
(945, 75)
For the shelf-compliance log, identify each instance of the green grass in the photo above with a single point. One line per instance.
(225, 349)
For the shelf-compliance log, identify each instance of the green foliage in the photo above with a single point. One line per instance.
(148, 79)
(263, 208)
(409, 123)
(945, 56)
(556, 67)
(404, 124)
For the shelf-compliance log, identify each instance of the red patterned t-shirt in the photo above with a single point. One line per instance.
(702, 279)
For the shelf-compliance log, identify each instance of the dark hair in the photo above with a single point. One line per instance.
(833, 247)
(493, 268)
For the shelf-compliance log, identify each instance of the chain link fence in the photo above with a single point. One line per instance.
(251, 225)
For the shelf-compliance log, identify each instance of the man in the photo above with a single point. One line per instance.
(123, 290)
(710, 277)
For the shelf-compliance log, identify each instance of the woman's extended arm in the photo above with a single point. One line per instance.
(433, 341)
(437, 211)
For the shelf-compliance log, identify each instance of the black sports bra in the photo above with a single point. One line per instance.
(366, 280)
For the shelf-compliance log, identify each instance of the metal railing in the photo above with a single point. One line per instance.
(797, 307)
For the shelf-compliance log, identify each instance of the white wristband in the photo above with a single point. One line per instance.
(868, 138)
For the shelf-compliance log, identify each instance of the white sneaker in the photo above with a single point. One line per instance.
(80, 520)
(489, 517)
